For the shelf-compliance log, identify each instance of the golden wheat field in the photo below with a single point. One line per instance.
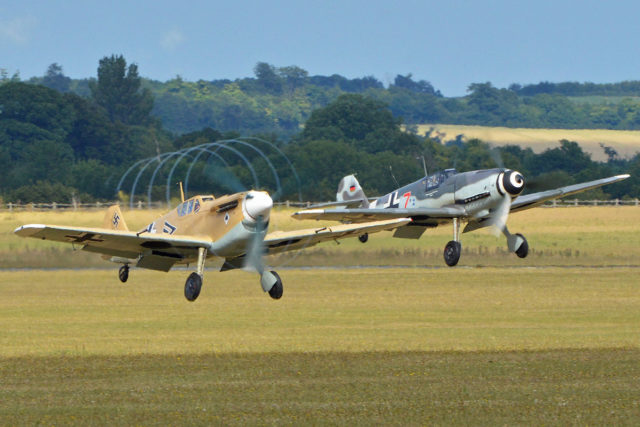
(625, 142)
(551, 339)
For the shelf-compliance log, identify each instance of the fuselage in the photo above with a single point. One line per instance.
(229, 221)
(478, 192)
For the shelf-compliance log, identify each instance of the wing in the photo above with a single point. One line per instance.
(153, 251)
(343, 203)
(363, 214)
(281, 241)
(532, 200)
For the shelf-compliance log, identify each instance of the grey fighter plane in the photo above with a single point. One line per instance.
(480, 198)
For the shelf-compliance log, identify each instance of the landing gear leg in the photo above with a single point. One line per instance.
(123, 273)
(276, 290)
(193, 285)
(272, 283)
(453, 249)
(516, 243)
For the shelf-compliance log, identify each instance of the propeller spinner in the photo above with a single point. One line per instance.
(510, 182)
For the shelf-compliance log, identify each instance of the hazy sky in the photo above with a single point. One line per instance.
(449, 43)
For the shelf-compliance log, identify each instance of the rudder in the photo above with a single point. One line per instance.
(349, 189)
(114, 219)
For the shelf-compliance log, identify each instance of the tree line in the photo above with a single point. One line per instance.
(57, 144)
(281, 99)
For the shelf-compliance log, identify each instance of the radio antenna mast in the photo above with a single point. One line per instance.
(394, 178)
(424, 164)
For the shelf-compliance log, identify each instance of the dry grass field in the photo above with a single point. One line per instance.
(557, 236)
(626, 142)
(359, 346)
(552, 339)
(89, 312)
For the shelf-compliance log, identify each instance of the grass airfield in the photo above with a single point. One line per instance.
(571, 236)
(552, 339)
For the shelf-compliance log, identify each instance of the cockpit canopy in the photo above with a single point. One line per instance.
(192, 205)
(435, 180)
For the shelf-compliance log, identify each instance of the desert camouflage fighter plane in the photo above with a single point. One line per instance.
(233, 227)
(480, 198)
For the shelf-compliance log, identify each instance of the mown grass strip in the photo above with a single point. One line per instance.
(90, 312)
(586, 387)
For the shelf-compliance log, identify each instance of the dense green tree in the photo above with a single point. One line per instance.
(321, 164)
(364, 122)
(55, 78)
(412, 107)
(422, 86)
(569, 157)
(118, 90)
(268, 77)
(94, 178)
(92, 135)
(293, 76)
(353, 116)
(192, 139)
(37, 105)
(47, 192)
(34, 123)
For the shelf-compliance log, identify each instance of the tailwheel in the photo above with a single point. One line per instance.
(523, 250)
(123, 273)
(192, 286)
(363, 237)
(276, 290)
(452, 253)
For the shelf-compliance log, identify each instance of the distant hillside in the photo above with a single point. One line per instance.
(280, 100)
(283, 102)
(626, 143)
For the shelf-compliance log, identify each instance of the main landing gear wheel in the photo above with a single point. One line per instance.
(276, 290)
(452, 253)
(123, 273)
(363, 237)
(192, 286)
(523, 250)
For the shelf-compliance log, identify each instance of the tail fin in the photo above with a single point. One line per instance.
(349, 189)
(114, 220)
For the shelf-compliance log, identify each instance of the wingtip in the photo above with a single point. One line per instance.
(23, 229)
(307, 212)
